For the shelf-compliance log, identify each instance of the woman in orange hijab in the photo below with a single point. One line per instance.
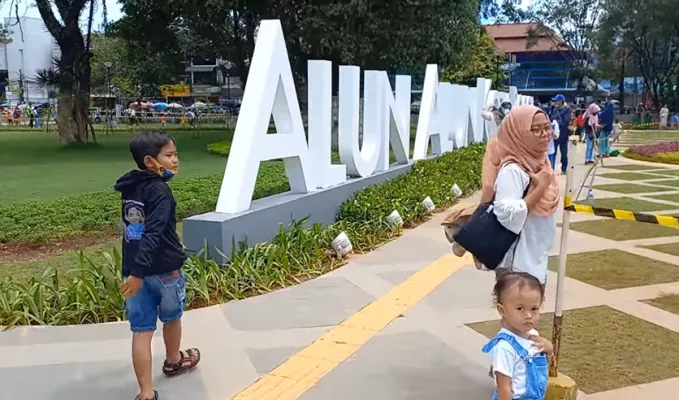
(519, 179)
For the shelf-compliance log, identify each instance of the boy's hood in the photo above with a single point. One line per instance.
(133, 178)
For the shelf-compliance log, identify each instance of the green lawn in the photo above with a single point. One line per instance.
(35, 167)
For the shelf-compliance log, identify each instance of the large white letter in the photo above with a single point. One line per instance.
(270, 90)
(395, 123)
(429, 123)
(459, 111)
(360, 161)
(320, 125)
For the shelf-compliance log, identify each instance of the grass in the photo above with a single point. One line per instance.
(668, 182)
(605, 349)
(632, 167)
(668, 172)
(616, 269)
(667, 248)
(627, 176)
(627, 203)
(35, 167)
(667, 197)
(668, 302)
(630, 188)
(619, 230)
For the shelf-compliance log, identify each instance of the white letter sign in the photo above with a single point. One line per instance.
(320, 124)
(270, 90)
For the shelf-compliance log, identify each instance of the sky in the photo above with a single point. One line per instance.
(27, 8)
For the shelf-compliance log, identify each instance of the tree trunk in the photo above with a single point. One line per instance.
(621, 83)
(74, 92)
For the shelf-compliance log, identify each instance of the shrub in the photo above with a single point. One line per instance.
(220, 148)
(667, 152)
(90, 293)
(98, 213)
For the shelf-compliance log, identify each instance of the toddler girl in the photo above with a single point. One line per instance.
(518, 353)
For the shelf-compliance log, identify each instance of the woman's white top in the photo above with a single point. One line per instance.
(536, 233)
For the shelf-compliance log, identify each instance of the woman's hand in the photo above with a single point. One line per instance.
(543, 178)
(541, 181)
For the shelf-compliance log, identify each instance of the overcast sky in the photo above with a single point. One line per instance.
(27, 8)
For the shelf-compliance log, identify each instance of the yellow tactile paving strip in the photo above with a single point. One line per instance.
(301, 371)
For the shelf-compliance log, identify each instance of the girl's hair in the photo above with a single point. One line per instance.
(506, 279)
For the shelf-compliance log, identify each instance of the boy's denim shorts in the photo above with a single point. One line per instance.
(162, 296)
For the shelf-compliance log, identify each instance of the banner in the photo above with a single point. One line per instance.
(178, 90)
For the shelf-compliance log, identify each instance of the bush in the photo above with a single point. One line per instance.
(90, 293)
(667, 153)
(98, 213)
(220, 148)
(665, 158)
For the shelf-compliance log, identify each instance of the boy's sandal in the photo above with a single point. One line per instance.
(189, 359)
(155, 396)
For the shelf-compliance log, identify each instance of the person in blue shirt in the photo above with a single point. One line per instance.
(606, 118)
(561, 113)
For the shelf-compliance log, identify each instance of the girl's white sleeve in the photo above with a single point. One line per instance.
(509, 207)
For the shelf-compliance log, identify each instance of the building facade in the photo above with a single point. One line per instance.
(31, 48)
(538, 64)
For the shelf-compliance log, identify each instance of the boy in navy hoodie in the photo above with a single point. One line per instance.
(154, 285)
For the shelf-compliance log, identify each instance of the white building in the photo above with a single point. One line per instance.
(31, 48)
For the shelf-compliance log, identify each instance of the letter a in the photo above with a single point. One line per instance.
(270, 90)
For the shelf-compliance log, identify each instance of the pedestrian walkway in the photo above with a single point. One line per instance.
(389, 325)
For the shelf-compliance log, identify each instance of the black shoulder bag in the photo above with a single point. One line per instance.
(485, 237)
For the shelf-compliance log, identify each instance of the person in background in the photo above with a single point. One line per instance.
(607, 118)
(591, 117)
(561, 114)
(664, 116)
(675, 121)
(10, 119)
(617, 131)
(36, 114)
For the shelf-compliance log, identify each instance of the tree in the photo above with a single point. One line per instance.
(485, 62)
(4, 34)
(571, 26)
(374, 35)
(649, 32)
(501, 11)
(136, 70)
(73, 66)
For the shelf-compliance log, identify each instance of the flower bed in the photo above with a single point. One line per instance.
(90, 293)
(667, 153)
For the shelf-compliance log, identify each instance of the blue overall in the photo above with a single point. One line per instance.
(536, 368)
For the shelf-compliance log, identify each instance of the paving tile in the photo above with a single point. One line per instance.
(266, 360)
(413, 365)
(319, 302)
(94, 380)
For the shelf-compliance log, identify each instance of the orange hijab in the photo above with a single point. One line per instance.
(516, 143)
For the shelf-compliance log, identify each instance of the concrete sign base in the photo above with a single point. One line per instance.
(260, 223)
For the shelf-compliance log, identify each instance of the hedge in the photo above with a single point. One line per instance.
(98, 213)
(220, 148)
(90, 293)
